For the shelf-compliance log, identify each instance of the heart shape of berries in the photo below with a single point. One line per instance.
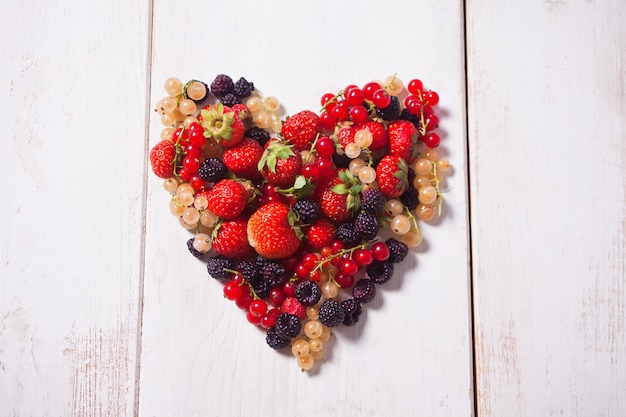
(303, 217)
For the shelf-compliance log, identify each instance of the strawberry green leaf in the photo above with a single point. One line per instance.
(300, 182)
(339, 189)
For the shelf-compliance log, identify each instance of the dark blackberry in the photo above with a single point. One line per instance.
(308, 293)
(243, 88)
(260, 262)
(392, 111)
(413, 118)
(230, 99)
(373, 201)
(341, 160)
(288, 325)
(364, 290)
(331, 313)
(352, 310)
(379, 271)
(249, 271)
(195, 252)
(410, 197)
(348, 234)
(217, 264)
(275, 341)
(262, 289)
(397, 250)
(212, 170)
(366, 225)
(274, 273)
(308, 210)
(258, 134)
(222, 85)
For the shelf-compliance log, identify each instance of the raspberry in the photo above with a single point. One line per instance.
(380, 272)
(308, 210)
(243, 88)
(308, 293)
(364, 290)
(348, 234)
(373, 201)
(195, 252)
(230, 99)
(274, 273)
(366, 225)
(397, 250)
(410, 197)
(222, 85)
(352, 310)
(391, 112)
(258, 134)
(275, 341)
(217, 264)
(288, 325)
(331, 313)
(212, 170)
(291, 305)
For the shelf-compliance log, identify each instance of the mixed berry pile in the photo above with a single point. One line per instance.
(301, 217)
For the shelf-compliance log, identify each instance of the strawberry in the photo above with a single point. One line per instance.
(403, 138)
(230, 239)
(227, 199)
(272, 231)
(345, 135)
(242, 159)
(163, 158)
(279, 164)
(392, 176)
(301, 129)
(222, 124)
(321, 233)
(379, 135)
(340, 201)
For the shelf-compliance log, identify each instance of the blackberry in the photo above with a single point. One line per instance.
(274, 273)
(249, 271)
(212, 170)
(373, 201)
(352, 310)
(410, 197)
(341, 160)
(195, 252)
(364, 290)
(391, 112)
(308, 210)
(258, 134)
(243, 88)
(308, 293)
(217, 264)
(397, 250)
(230, 99)
(366, 225)
(275, 341)
(348, 234)
(331, 313)
(287, 325)
(379, 271)
(262, 289)
(413, 118)
(260, 262)
(222, 85)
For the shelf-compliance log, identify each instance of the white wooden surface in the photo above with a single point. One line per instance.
(104, 313)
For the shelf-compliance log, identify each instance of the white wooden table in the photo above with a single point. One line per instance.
(514, 307)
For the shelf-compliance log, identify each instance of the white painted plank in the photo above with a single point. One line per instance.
(411, 354)
(73, 82)
(547, 125)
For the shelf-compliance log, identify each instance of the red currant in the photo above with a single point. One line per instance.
(258, 308)
(358, 114)
(381, 98)
(431, 97)
(340, 111)
(269, 320)
(363, 257)
(344, 281)
(303, 271)
(184, 174)
(337, 245)
(431, 121)
(325, 165)
(232, 290)
(415, 86)
(326, 98)
(276, 297)
(196, 182)
(246, 298)
(355, 97)
(310, 260)
(431, 140)
(325, 147)
(252, 319)
(312, 172)
(370, 88)
(348, 267)
(193, 151)
(328, 120)
(380, 251)
(289, 288)
(196, 137)
(191, 164)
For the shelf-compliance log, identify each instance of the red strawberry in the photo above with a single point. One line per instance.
(321, 233)
(345, 135)
(291, 305)
(392, 176)
(341, 200)
(230, 239)
(227, 199)
(243, 158)
(403, 138)
(301, 129)
(280, 165)
(379, 135)
(222, 124)
(272, 231)
(162, 158)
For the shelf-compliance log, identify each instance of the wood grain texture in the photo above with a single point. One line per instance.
(411, 354)
(73, 82)
(547, 125)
